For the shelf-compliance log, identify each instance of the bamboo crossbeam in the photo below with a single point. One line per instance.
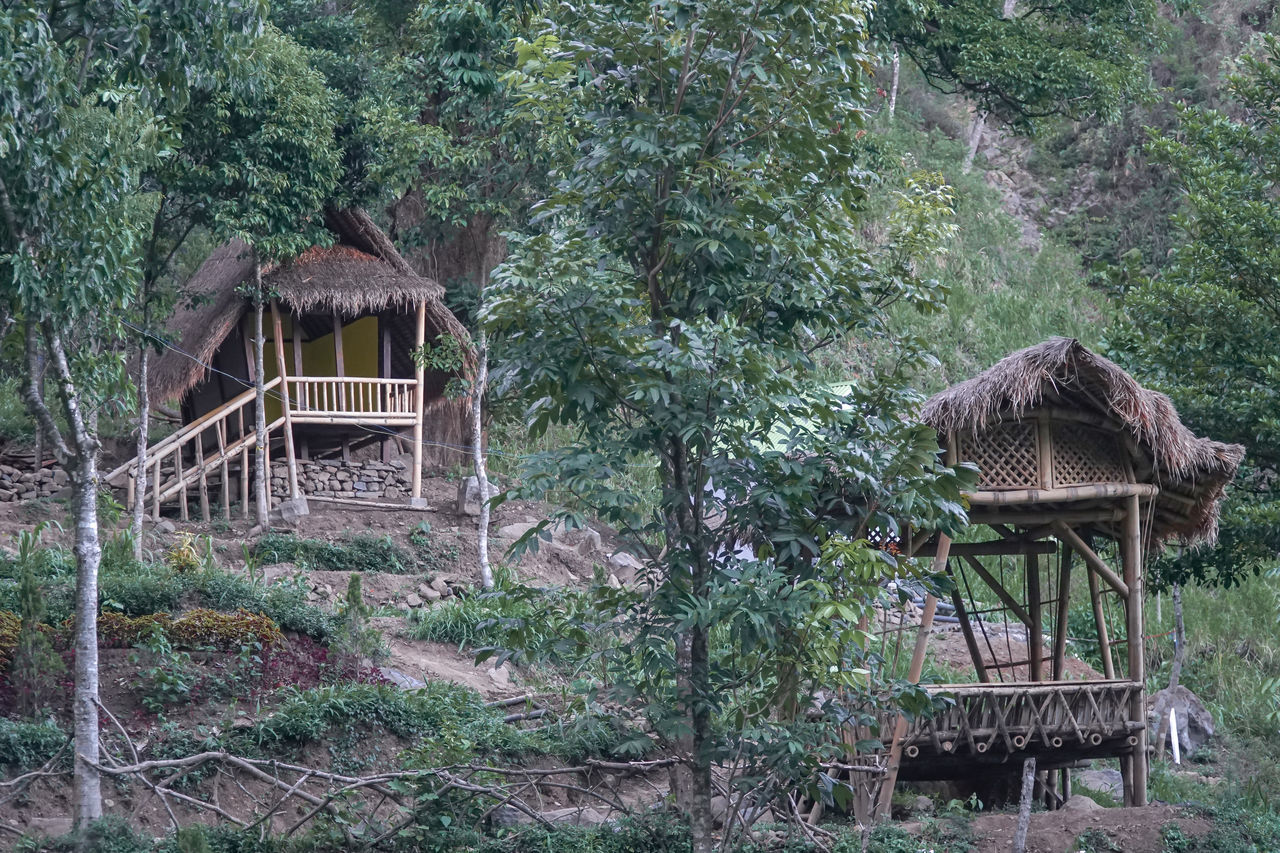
(1014, 606)
(992, 548)
(1090, 516)
(1091, 558)
(1067, 493)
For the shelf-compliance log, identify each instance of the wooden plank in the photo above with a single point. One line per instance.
(1070, 537)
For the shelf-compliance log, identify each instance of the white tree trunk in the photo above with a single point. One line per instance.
(260, 399)
(975, 138)
(477, 438)
(893, 85)
(144, 421)
(88, 782)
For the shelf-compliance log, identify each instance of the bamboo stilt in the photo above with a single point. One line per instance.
(155, 491)
(1035, 631)
(1100, 621)
(1064, 606)
(226, 478)
(1131, 555)
(966, 628)
(913, 675)
(419, 375)
(291, 459)
(182, 493)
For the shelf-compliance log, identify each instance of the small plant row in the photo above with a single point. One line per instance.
(360, 553)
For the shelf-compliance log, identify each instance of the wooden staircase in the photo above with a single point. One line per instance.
(210, 451)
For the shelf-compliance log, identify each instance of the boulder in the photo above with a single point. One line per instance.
(1195, 723)
(1102, 781)
(623, 560)
(50, 827)
(413, 600)
(469, 496)
(515, 531)
(574, 815)
(1080, 803)
(590, 544)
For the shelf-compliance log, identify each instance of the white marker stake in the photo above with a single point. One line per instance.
(1173, 736)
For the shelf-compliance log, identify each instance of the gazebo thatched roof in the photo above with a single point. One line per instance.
(1061, 372)
(362, 273)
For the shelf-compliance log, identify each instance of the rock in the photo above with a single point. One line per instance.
(401, 680)
(165, 526)
(623, 560)
(1195, 723)
(515, 531)
(574, 815)
(430, 594)
(393, 493)
(413, 600)
(923, 805)
(1080, 803)
(506, 817)
(500, 676)
(50, 827)
(469, 499)
(109, 803)
(60, 477)
(719, 809)
(441, 585)
(614, 582)
(591, 543)
(242, 723)
(1102, 781)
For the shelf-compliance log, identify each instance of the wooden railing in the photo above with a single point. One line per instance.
(342, 399)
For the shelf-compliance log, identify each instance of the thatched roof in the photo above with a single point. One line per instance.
(362, 273)
(1062, 372)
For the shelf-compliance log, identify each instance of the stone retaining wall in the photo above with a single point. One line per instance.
(19, 485)
(333, 478)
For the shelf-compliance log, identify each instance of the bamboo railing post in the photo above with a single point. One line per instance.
(419, 375)
(1064, 605)
(291, 459)
(244, 468)
(885, 802)
(222, 458)
(155, 491)
(182, 489)
(203, 479)
(1035, 631)
(1131, 557)
(295, 340)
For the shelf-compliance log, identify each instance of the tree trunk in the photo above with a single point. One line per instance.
(975, 139)
(700, 817)
(87, 781)
(893, 85)
(144, 423)
(477, 437)
(1024, 806)
(260, 400)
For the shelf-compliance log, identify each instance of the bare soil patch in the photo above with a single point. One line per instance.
(1130, 830)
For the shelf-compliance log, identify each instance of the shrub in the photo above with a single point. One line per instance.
(110, 834)
(361, 553)
(10, 627)
(115, 630)
(355, 641)
(26, 745)
(286, 604)
(36, 667)
(470, 622)
(142, 590)
(204, 628)
(432, 555)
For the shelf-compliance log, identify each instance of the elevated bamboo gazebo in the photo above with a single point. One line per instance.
(1077, 461)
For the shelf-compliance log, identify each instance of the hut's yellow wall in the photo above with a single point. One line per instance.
(319, 358)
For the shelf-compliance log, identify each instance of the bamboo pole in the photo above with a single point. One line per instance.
(993, 548)
(1131, 555)
(155, 491)
(885, 801)
(1035, 632)
(966, 628)
(1040, 517)
(1091, 557)
(244, 469)
(1094, 491)
(203, 479)
(295, 340)
(1044, 447)
(1064, 605)
(291, 458)
(226, 478)
(1015, 607)
(182, 492)
(419, 375)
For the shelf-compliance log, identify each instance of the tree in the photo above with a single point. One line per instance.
(698, 245)
(1204, 327)
(80, 86)
(1027, 63)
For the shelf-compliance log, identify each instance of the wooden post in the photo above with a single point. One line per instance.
(182, 489)
(295, 340)
(1131, 556)
(1035, 632)
(384, 337)
(244, 465)
(885, 802)
(1100, 622)
(419, 375)
(291, 459)
(975, 651)
(155, 491)
(1064, 605)
(1024, 806)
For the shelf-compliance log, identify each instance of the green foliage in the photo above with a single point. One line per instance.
(432, 554)
(1079, 58)
(164, 676)
(355, 641)
(28, 745)
(111, 834)
(284, 603)
(359, 553)
(36, 669)
(478, 621)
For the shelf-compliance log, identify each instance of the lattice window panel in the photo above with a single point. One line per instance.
(1006, 454)
(1084, 455)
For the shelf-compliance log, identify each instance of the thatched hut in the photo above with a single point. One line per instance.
(1078, 463)
(340, 329)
